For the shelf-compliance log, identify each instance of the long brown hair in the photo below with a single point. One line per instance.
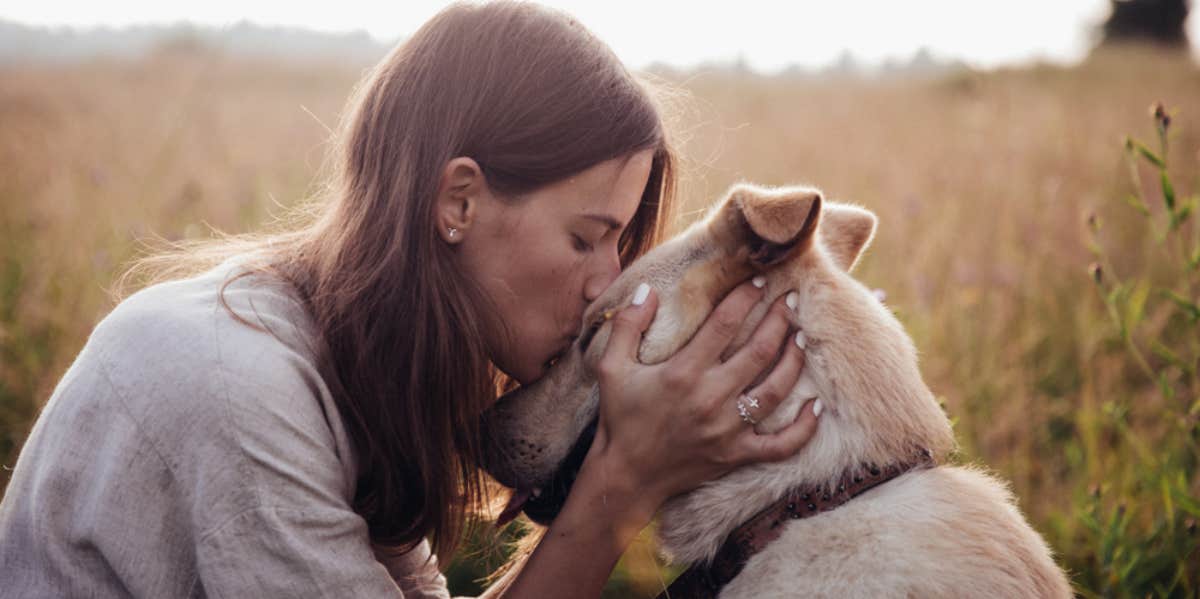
(534, 98)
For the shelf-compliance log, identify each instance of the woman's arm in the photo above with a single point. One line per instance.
(663, 429)
(602, 515)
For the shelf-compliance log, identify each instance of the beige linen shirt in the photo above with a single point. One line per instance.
(185, 454)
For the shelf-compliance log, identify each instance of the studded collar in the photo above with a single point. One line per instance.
(706, 582)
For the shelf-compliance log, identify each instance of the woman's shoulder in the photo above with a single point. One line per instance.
(221, 345)
(224, 318)
(230, 379)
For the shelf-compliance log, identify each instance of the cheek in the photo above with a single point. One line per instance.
(551, 294)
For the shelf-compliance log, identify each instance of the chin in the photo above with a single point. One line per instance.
(531, 365)
(526, 374)
(523, 373)
(530, 373)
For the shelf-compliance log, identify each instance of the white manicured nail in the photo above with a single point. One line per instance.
(793, 300)
(639, 296)
(817, 407)
(801, 340)
(759, 281)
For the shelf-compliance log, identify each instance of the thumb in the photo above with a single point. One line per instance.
(631, 322)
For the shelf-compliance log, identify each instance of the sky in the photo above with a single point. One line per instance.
(766, 35)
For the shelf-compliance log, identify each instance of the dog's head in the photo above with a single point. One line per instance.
(540, 434)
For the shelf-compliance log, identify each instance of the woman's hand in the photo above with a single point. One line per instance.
(667, 428)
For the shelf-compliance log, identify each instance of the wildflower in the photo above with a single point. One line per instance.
(1161, 118)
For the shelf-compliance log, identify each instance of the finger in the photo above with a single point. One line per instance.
(785, 443)
(721, 326)
(629, 324)
(759, 352)
(780, 382)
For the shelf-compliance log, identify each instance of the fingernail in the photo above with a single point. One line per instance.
(817, 407)
(639, 296)
(793, 300)
(801, 340)
(759, 281)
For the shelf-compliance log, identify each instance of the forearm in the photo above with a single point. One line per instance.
(602, 515)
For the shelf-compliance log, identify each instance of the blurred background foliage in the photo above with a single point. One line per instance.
(1037, 237)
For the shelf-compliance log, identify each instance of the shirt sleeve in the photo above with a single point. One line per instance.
(416, 573)
(296, 534)
(280, 468)
(284, 552)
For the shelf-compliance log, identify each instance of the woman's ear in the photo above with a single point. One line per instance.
(460, 192)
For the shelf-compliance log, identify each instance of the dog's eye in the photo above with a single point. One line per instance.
(586, 339)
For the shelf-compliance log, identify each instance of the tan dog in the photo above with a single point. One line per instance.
(937, 532)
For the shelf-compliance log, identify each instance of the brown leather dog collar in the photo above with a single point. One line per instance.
(705, 582)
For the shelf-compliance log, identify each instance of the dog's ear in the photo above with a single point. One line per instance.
(846, 232)
(773, 224)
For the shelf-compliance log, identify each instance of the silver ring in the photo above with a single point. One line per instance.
(744, 404)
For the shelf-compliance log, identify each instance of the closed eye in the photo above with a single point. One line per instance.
(580, 244)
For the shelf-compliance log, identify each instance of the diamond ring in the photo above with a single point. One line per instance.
(744, 405)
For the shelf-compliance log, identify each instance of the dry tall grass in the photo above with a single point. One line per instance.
(981, 182)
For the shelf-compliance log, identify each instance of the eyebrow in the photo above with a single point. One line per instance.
(612, 223)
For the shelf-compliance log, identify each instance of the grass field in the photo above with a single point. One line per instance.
(983, 182)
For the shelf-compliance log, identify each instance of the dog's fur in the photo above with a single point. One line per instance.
(941, 532)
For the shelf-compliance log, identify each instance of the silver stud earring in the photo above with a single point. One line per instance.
(452, 231)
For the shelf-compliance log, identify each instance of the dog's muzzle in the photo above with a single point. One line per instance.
(544, 507)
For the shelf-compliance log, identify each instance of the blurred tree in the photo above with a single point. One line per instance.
(1159, 21)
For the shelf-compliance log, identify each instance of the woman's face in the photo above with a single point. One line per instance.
(543, 257)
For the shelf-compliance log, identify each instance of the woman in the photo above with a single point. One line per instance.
(299, 419)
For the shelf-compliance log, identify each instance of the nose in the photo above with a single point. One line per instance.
(602, 275)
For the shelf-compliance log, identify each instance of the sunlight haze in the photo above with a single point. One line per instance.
(765, 35)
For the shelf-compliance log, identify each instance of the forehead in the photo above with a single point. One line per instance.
(612, 188)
